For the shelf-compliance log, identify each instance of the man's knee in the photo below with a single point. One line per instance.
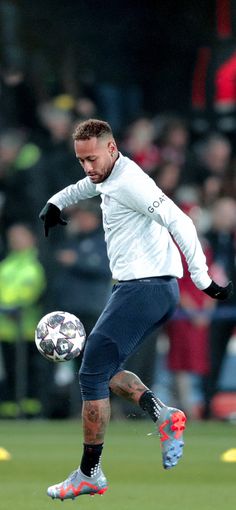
(100, 362)
(93, 386)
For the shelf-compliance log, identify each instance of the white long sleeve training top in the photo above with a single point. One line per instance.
(138, 219)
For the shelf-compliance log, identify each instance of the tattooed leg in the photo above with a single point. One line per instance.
(95, 416)
(88, 478)
(128, 385)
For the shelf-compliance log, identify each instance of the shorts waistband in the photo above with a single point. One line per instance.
(147, 279)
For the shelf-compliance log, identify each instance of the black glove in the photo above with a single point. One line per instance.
(51, 216)
(221, 293)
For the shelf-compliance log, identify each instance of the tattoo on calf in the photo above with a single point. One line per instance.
(128, 385)
(96, 415)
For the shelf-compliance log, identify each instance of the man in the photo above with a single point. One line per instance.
(138, 220)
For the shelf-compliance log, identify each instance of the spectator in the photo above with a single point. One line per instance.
(57, 153)
(221, 238)
(139, 144)
(210, 167)
(167, 176)
(22, 284)
(172, 137)
(214, 156)
(18, 160)
(85, 107)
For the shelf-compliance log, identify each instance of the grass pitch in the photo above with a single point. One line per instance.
(44, 453)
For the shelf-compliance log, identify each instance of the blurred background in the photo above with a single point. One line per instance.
(163, 74)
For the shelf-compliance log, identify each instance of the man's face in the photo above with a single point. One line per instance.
(96, 156)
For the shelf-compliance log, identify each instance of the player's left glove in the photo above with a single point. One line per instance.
(51, 216)
(217, 292)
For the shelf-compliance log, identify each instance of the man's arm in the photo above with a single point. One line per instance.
(145, 197)
(51, 212)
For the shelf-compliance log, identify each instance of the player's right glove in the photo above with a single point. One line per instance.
(217, 292)
(51, 216)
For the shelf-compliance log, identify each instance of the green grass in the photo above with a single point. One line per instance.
(44, 453)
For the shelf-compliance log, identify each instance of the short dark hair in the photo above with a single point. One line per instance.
(92, 128)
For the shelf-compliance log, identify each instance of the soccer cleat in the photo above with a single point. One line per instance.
(77, 484)
(171, 425)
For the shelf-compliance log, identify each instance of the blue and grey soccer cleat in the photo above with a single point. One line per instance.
(77, 484)
(171, 426)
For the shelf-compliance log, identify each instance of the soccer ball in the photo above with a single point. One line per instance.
(60, 336)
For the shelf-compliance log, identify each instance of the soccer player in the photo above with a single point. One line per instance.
(139, 221)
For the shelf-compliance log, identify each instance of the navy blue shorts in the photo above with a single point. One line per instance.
(134, 310)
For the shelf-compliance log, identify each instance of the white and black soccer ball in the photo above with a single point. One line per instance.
(60, 336)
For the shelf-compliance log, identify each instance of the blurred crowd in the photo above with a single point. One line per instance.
(191, 158)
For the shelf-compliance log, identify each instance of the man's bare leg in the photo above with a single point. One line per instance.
(95, 416)
(128, 385)
(88, 478)
(170, 421)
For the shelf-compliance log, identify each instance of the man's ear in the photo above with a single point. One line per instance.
(111, 147)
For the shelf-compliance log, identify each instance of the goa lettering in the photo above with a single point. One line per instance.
(156, 203)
